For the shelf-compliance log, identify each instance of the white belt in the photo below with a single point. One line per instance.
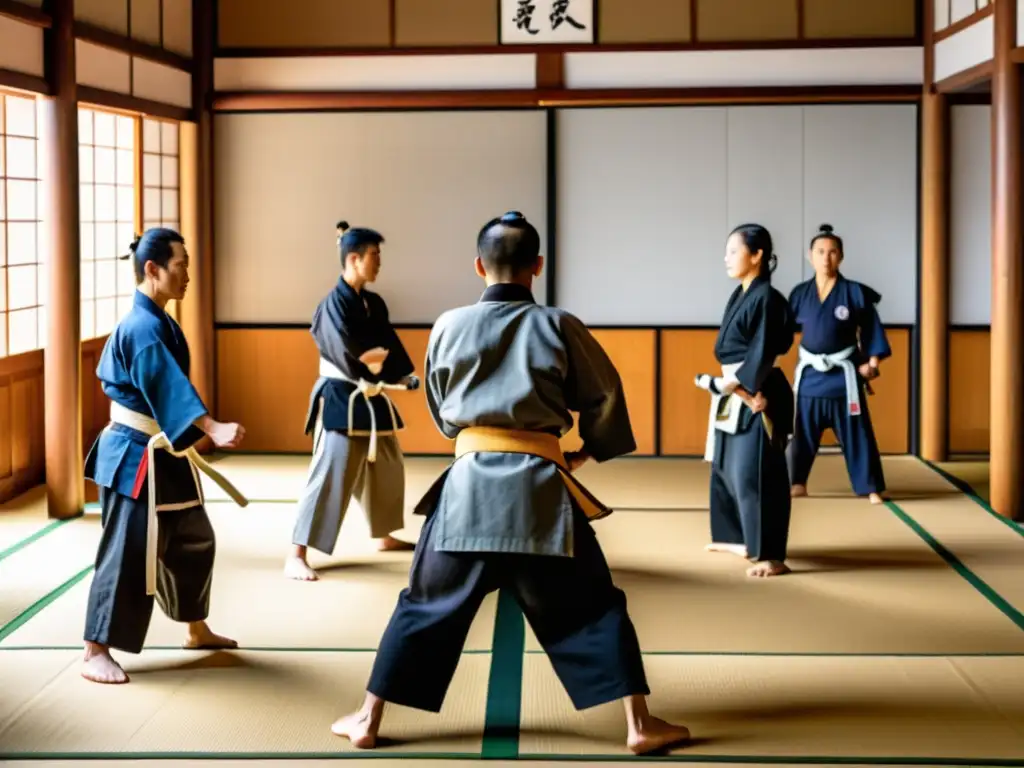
(824, 364)
(727, 423)
(159, 440)
(367, 389)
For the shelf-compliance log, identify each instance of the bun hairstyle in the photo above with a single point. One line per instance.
(132, 248)
(757, 238)
(152, 245)
(342, 226)
(828, 232)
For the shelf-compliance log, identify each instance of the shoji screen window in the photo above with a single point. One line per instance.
(108, 195)
(160, 174)
(22, 320)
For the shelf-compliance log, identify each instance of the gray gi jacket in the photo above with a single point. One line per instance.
(509, 362)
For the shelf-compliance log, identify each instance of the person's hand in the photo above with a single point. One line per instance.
(576, 459)
(758, 403)
(868, 371)
(374, 359)
(226, 435)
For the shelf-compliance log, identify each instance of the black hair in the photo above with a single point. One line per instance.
(508, 245)
(153, 245)
(757, 238)
(356, 240)
(826, 231)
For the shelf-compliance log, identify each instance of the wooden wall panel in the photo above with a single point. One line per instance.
(108, 14)
(644, 21)
(420, 435)
(825, 19)
(633, 352)
(304, 23)
(21, 424)
(445, 22)
(264, 377)
(177, 21)
(684, 407)
(969, 399)
(684, 413)
(145, 21)
(720, 20)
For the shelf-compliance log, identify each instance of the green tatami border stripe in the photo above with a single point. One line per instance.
(954, 562)
(539, 652)
(22, 618)
(34, 537)
(682, 757)
(965, 488)
(505, 684)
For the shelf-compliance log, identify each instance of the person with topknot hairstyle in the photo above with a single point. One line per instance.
(842, 344)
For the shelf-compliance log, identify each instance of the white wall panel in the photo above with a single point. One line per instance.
(967, 48)
(647, 197)
(860, 175)
(642, 215)
(765, 176)
(971, 215)
(376, 73)
(427, 180)
(745, 68)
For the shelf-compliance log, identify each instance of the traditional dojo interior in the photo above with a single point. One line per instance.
(635, 134)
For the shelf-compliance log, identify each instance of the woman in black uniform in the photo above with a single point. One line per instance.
(751, 411)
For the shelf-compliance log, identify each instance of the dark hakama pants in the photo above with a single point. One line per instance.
(119, 609)
(855, 434)
(750, 503)
(575, 610)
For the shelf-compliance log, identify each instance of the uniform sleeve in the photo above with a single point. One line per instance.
(796, 298)
(768, 325)
(594, 391)
(172, 399)
(873, 339)
(398, 364)
(436, 384)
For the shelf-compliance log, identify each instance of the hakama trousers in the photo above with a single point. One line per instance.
(855, 434)
(575, 610)
(750, 503)
(119, 610)
(338, 471)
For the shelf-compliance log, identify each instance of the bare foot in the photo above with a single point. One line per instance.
(100, 666)
(391, 544)
(733, 549)
(656, 734)
(767, 568)
(298, 569)
(201, 637)
(361, 727)
(797, 490)
(875, 498)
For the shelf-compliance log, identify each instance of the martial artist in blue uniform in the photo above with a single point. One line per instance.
(751, 413)
(843, 342)
(157, 539)
(502, 379)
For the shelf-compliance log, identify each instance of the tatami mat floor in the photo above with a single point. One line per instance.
(898, 639)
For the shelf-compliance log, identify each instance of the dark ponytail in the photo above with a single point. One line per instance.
(757, 238)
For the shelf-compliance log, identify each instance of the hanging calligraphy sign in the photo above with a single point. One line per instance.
(535, 22)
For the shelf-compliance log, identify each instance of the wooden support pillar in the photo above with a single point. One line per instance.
(1006, 449)
(934, 328)
(62, 410)
(196, 157)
